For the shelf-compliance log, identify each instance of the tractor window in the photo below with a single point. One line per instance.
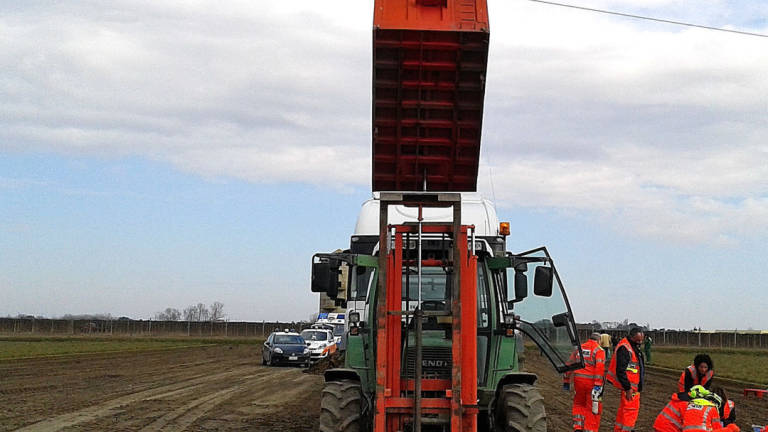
(547, 320)
(433, 284)
(483, 322)
(361, 280)
(483, 311)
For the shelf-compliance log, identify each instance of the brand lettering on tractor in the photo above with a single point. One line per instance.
(435, 363)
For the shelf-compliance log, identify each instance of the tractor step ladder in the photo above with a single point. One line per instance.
(400, 400)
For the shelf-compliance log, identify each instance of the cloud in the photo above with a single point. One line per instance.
(657, 128)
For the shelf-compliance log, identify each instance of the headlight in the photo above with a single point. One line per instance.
(509, 319)
(306, 350)
(278, 351)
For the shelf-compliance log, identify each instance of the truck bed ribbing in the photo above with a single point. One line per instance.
(429, 65)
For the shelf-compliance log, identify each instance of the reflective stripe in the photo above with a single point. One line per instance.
(671, 420)
(580, 375)
(701, 428)
(673, 409)
(623, 427)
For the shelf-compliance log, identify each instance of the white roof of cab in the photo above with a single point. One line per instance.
(475, 210)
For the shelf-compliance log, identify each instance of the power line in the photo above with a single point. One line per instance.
(649, 18)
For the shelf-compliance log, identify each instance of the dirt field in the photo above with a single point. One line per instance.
(226, 388)
(198, 389)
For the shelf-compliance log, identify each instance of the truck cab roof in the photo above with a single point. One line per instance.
(475, 210)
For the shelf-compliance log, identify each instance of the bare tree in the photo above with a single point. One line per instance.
(190, 313)
(217, 311)
(169, 314)
(202, 313)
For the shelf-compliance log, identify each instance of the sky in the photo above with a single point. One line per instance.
(159, 154)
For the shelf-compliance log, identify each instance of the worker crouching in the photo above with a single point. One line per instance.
(588, 386)
(700, 372)
(702, 415)
(671, 417)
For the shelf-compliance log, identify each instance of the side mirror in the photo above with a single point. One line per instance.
(321, 275)
(325, 278)
(563, 320)
(521, 286)
(542, 281)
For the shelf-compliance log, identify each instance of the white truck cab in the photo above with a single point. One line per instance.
(475, 210)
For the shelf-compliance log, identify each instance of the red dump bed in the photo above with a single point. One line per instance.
(429, 65)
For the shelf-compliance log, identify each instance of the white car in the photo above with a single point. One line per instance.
(320, 343)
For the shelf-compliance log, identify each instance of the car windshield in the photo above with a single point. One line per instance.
(289, 340)
(314, 335)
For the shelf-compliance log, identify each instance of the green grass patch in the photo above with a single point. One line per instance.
(739, 364)
(31, 347)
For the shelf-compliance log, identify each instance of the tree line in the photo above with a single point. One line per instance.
(198, 312)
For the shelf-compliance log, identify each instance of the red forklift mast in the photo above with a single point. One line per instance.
(400, 400)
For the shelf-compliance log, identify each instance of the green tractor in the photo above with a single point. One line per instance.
(437, 315)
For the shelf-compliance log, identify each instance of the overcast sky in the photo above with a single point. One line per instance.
(159, 153)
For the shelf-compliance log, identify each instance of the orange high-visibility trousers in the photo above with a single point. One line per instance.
(627, 414)
(583, 419)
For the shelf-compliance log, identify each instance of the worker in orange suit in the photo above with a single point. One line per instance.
(627, 372)
(700, 372)
(588, 386)
(671, 417)
(702, 415)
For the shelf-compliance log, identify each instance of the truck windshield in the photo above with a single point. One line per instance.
(338, 329)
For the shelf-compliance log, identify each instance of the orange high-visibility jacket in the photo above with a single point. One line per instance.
(697, 380)
(594, 364)
(633, 368)
(701, 417)
(671, 417)
(729, 415)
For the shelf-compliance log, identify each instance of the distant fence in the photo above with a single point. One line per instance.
(739, 340)
(34, 326)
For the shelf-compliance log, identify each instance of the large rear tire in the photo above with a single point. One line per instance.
(341, 407)
(521, 409)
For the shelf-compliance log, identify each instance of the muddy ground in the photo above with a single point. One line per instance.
(214, 388)
(222, 388)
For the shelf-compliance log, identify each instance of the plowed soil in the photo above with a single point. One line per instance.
(211, 388)
(222, 388)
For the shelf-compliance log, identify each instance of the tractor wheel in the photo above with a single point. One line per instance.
(341, 407)
(521, 409)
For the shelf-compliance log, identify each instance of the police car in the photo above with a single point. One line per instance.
(285, 348)
(320, 342)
